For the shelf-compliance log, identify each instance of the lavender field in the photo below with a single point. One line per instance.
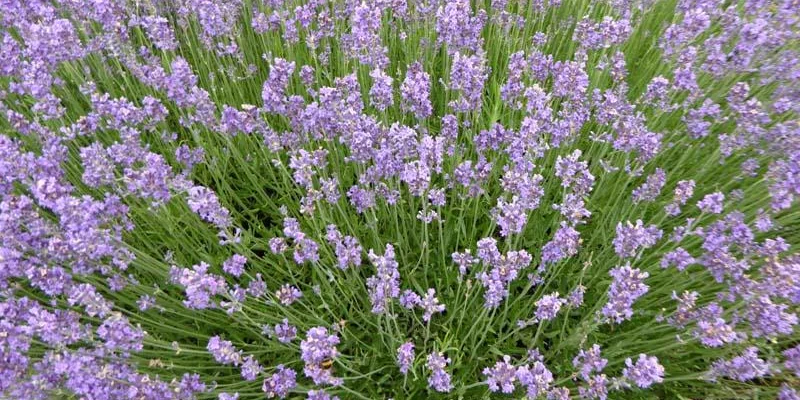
(399, 199)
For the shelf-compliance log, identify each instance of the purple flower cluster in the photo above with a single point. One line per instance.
(467, 76)
(280, 382)
(200, 285)
(385, 284)
(319, 347)
(683, 192)
(223, 351)
(405, 357)
(534, 377)
(548, 306)
(234, 265)
(430, 304)
(415, 91)
(627, 285)
(501, 377)
(305, 248)
(645, 372)
(439, 379)
(711, 203)
(589, 362)
(458, 28)
(679, 257)
(504, 148)
(284, 331)
(503, 269)
(743, 367)
(651, 187)
(631, 239)
(288, 294)
(381, 94)
(603, 34)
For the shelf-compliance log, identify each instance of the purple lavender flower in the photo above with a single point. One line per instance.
(787, 393)
(711, 203)
(430, 304)
(633, 238)
(784, 188)
(558, 393)
(236, 297)
(385, 284)
(306, 250)
(467, 76)
(511, 217)
(573, 209)
(364, 40)
(627, 286)
(361, 199)
(98, 169)
(714, 331)
(288, 294)
(575, 297)
(409, 299)
(464, 261)
(285, 332)
(574, 174)
(564, 244)
(512, 90)
(504, 269)
(251, 368)
(548, 306)
(589, 361)
(417, 176)
(280, 383)
(764, 222)
(274, 91)
(320, 395)
(488, 252)
(679, 257)
(439, 380)
(405, 357)
(536, 379)
(348, 252)
(651, 187)
(415, 91)
(205, 203)
(683, 192)
(117, 333)
(437, 197)
(159, 32)
(768, 319)
(502, 376)
(317, 348)
(596, 388)
(742, 368)
(603, 34)
(200, 286)
(234, 265)
(792, 362)
(223, 351)
(257, 287)
(458, 28)
(645, 372)
(145, 302)
(381, 94)
(277, 245)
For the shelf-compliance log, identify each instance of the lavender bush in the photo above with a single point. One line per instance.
(246, 199)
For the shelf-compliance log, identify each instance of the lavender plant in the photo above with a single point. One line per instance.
(392, 199)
